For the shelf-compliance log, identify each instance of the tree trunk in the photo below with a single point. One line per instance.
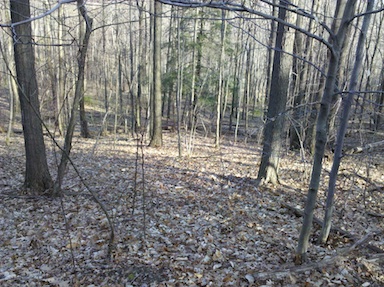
(236, 81)
(84, 131)
(61, 78)
(83, 118)
(156, 140)
(140, 70)
(12, 96)
(378, 109)
(271, 43)
(12, 86)
(193, 77)
(220, 92)
(299, 71)
(342, 71)
(247, 85)
(374, 40)
(268, 170)
(37, 176)
(347, 101)
(199, 81)
(322, 132)
(180, 77)
(78, 94)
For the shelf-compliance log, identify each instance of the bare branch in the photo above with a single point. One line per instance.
(301, 12)
(50, 11)
(235, 7)
(366, 13)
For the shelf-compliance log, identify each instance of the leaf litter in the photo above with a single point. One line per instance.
(193, 221)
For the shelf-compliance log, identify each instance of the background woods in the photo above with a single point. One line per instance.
(215, 132)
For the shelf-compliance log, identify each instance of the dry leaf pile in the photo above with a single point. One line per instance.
(190, 221)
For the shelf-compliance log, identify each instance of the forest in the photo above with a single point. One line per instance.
(191, 143)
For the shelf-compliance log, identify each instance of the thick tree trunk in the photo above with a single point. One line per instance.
(140, 70)
(156, 140)
(37, 176)
(268, 170)
(271, 43)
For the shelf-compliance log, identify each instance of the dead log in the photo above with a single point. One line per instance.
(367, 147)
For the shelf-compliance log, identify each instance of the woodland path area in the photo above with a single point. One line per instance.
(196, 221)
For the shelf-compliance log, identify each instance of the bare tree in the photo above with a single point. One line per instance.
(37, 176)
(322, 131)
(156, 137)
(220, 91)
(79, 91)
(347, 102)
(268, 170)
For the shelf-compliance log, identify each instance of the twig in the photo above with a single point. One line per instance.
(46, 13)
(374, 214)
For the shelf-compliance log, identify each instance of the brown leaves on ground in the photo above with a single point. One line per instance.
(191, 221)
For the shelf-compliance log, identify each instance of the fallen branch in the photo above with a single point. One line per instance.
(344, 233)
(374, 214)
(365, 148)
(322, 263)
(376, 258)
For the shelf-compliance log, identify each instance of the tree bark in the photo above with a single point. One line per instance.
(341, 77)
(61, 78)
(84, 131)
(157, 138)
(219, 108)
(302, 48)
(199, 80)
(322, 131)
(268, 170)
(78, 94)
(37, 176)
(378, 109)
(180, 79)
(347, 102)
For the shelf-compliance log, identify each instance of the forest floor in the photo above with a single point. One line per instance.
(195, 220)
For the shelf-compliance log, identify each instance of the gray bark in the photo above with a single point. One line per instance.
(322, 131)
(156, 140)
(268, 170)
(347, 102)
(37, 177)
(220, 93)
(78, 94)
